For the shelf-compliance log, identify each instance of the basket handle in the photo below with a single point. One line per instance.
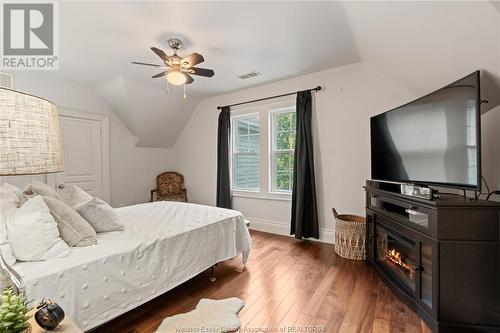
(335, 213)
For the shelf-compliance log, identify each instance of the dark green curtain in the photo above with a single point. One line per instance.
(223, 178)
(304, 221)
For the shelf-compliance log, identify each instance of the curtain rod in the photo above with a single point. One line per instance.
(318, 88)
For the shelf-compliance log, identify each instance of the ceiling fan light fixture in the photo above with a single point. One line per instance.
(176, 78)
(177, 69)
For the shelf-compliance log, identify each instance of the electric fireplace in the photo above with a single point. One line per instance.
(397, 255)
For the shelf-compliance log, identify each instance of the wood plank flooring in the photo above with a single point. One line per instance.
(287, 283)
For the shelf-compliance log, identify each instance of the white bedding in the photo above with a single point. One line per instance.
(163, 245)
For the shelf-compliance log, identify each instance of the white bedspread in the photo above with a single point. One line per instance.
(163, 245)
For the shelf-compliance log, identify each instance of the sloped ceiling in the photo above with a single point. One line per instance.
(279, 39)
(425, 45)
(421, 45)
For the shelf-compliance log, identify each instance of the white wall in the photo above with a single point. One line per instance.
(350, 95)
(132, 170)
(490, 123)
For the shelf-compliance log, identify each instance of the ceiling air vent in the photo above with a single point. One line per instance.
(249, 75)
(6, 80)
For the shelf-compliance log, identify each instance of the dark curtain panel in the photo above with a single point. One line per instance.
(304, 209)
(223, 179)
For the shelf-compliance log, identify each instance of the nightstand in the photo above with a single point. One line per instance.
(67, 325)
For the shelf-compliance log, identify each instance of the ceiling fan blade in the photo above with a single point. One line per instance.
(191, 60)
(146, 64)
(189, 78)
(159, 75)
(201, 71)
(160, 53)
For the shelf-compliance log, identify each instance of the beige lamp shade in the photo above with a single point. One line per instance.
(30, 139)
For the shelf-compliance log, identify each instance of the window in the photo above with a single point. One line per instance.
(246, 146)
(282, 149)
(263, 145)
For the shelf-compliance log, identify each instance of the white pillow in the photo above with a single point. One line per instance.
(33, 233)
(75, 196)
(101, 216)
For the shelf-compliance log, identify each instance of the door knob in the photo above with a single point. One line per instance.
(61, 186)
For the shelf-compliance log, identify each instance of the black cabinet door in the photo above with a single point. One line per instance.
(427, 277)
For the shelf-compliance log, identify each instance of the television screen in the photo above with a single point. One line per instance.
(434, 140)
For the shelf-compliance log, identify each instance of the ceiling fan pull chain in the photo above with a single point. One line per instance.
(168, 88)
(184, 91)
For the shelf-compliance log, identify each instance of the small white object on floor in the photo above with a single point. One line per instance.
(210, 315)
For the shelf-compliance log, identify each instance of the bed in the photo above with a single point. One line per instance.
(163, 245)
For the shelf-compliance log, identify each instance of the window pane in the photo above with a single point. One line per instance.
(247, 135)
(283, 150)
(283, 161)
(246, 171)
(246, 162)
(283, 181)
(242, 143)
(283, 171)
(242, 128)
(285, 140)
(253, 143)
(253, 126)
(283, 121)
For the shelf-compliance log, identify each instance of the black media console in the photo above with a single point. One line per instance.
(441, 256)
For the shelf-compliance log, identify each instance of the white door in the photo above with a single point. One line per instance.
(85, 153)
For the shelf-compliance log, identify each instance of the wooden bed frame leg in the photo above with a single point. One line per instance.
(212, 274)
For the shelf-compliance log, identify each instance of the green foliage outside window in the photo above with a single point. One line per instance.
(283, 151)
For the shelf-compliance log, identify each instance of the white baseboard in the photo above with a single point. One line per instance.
(273, 227)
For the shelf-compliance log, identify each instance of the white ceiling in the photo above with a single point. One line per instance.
(278, 39)
(421, 45)
(426, 45)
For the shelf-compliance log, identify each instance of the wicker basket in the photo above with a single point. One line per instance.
(350, 232)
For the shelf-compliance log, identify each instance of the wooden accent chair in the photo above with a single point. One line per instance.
(169, 187)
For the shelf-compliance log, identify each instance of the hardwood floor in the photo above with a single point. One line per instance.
(287, 283)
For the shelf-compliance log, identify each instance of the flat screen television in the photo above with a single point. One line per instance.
(433, 140)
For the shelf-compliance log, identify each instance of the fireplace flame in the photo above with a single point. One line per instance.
(396, 259)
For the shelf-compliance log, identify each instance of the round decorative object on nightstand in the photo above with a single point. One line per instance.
(49, 314)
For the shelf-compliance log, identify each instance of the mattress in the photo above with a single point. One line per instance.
(163, 245)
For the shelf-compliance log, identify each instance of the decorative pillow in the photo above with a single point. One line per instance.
(75, 196)
(39, 188)
(101, 216)
(74, 230)
(33, 233)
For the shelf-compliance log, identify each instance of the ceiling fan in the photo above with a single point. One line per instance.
(178, 70)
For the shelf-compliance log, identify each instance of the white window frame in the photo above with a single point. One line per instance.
(263, 110)
(273, 150)
(234, 120)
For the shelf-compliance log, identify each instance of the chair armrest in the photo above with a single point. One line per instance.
(152, 191)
